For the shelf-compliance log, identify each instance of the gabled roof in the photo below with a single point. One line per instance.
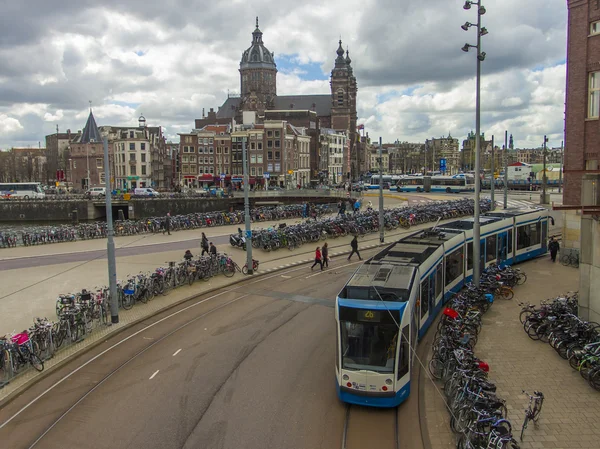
(90, 133)
(229, 108)
(322, 103)
(216, 128)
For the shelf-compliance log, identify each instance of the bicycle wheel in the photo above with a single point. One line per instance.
(507, 293)
(524, 424)
(127, 302)
(521, 278)
(229, 270)
(36, 362)
(565, 260)
(245, 269)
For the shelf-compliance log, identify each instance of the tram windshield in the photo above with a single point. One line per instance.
(369, 346)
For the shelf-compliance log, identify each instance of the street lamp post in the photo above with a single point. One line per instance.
(505, 169)
(247, 209)
(480, 57)
(381, 223)
(493, 179)
(544, 177)
(561, 167)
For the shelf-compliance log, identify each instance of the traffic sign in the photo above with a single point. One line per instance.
(222, 175)
(266, 175)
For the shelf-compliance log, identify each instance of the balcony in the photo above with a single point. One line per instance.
(132, 162)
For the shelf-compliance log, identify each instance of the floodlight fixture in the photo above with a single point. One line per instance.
(467, 5)
(481, 56)
(481, 10)
(466, 26)
(483, 31)
(465, 48)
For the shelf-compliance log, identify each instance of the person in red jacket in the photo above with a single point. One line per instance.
(318, 259)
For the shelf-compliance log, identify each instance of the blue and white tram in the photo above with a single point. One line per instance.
(392, 299)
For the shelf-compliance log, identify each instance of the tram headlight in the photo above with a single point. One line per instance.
(388, 381)
(346, 377)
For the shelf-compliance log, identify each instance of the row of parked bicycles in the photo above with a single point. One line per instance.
(78, 314)
(41, 235)
(359, 223)
(479, 416)
(557, 323)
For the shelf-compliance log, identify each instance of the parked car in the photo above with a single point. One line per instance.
(146, 191)
(96, 192)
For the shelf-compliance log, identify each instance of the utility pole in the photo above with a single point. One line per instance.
(381, 233)
(247, 209)
(493, 178)
(544, 174)
(505, 169)
(561, 166)
(110, 246)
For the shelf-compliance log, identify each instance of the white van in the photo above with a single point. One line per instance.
(96, 192)
(146, 191)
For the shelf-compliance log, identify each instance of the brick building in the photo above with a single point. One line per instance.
(86, 158)
(443, 148)
(582, 125)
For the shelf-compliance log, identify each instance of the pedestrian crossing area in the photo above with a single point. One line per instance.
(510, 204)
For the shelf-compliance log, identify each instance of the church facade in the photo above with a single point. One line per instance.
(258, 101)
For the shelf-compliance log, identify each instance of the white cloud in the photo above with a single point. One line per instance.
(9, 124)
(131, 57)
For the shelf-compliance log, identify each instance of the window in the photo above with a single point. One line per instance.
(269, 133)
(340, 97)
(470, 256)
(226, 150)
(132, 170)
(277, 166)
(143, 157)
(143, 169)
(510, 241)
(490, 248)
(595, 27)
(259, 145)
(269, 144)
(200, 150)
(184, 158)
(98, 163)
(132, 157)
(269, 167)
(253, 145)
(277, 143)
(404, 359)
(253, 171)
(192, 158)
(102, 178)
(439, 279)
(201, 169)
(211, 160)
(211, 150)
(259, 158)
(277, 155)
(277, 133)
(253, 159)
(594, 95)
(131, 134)
(210, 140)
(143, 146)
(132, 146)
(185, 169)
(424, 301)
(528, 235)
(269, 155)
(454, 265)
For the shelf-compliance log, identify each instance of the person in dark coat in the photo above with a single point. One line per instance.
(204, 244)
(354, 246)
(325, 254)
(168, 224)
(554, 247)
(318, 259)
(213, 250)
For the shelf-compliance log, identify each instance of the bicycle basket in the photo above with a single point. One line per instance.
(66, 300)
(86, 296)
(21, 338)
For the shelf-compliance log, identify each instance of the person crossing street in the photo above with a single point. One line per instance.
(354, 246)
(554, 247)
(318, 259)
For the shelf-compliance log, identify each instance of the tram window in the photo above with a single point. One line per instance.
(424, 297)
(528, 235)
(510, 241)
(369, 346)
(470, 256)
(337, 351)
(454, 265)
(404, 353)
(439, 280)
(490, 248)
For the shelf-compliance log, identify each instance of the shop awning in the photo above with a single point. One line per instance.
(206, 177)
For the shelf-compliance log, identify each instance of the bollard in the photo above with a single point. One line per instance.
(121, 215)
(75, 216)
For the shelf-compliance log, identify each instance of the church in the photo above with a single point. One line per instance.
(258, 101)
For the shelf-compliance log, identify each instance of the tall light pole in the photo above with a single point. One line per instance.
(247, 208)
(381, 233)
(505, 169)
(110, 245)
(480, 57)
(544, 177)
(493, 179)
(561, 166)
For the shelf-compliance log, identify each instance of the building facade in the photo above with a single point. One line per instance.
(333, 145)
(86, 158)
(582, 113)
(443, 148)
(57, 152)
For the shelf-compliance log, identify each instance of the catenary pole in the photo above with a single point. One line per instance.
(110, 245)
(493, 179)
(381, 233)
(247, 208)
(476, 225)
(505, 169)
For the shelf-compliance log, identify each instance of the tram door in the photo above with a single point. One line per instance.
(502, 247)
(544, 235)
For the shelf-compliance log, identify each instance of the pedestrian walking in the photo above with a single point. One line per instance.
(212, 250)
(325, 254)
(354, 246)
(554, 247)
(167, 224)
(343, 209)
(356, 206)
(318, 259)
(204, 244)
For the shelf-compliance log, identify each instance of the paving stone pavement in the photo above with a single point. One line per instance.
(571, 410)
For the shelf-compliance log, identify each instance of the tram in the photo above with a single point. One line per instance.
(391, 300)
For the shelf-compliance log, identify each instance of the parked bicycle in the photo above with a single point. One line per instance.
(532, 413)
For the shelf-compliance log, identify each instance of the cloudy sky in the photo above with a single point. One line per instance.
(170, 59)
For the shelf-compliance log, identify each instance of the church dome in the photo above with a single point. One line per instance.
(257, 56)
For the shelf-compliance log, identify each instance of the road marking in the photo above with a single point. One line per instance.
(285, 277)
(93, 359)
(328, 271)
(155, 373)
(176, 352)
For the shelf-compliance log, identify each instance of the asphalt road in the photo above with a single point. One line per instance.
(250, 366)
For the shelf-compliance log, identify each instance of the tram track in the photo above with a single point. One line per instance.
(370, 427)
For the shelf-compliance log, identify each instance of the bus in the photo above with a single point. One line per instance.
(448, 184)
(389, 179)
(25, 190)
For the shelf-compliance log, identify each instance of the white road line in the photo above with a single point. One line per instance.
(96, 357)
(326, 271)
(155, 373)
(176, 352)
(285, 277)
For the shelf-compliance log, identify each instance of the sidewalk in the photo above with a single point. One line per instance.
(571, 410)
